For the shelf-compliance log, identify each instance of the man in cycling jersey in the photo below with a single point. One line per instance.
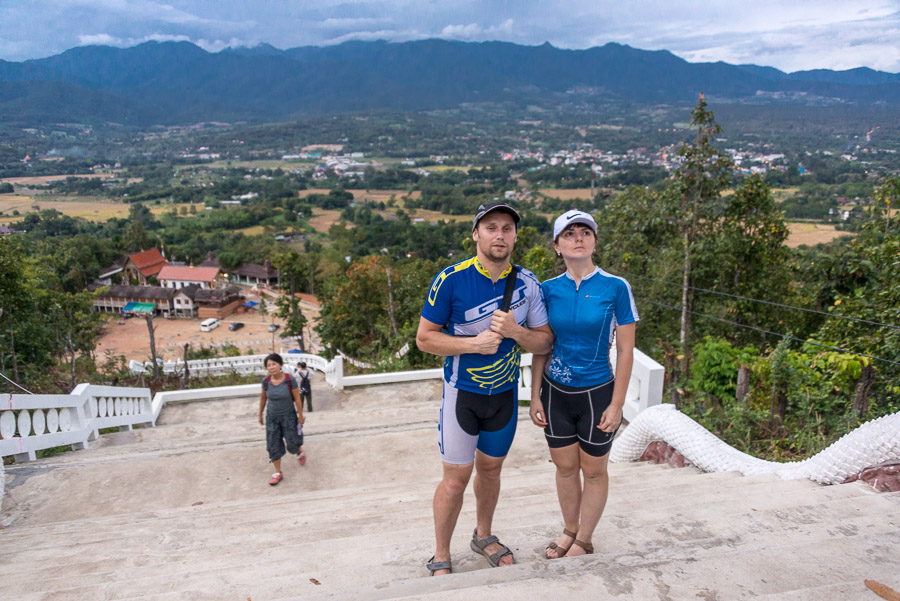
(462, 320)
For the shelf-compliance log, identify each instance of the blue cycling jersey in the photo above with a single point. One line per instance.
(583, 319)
(462, 299)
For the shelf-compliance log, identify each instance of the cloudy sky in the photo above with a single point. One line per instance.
(791, 35)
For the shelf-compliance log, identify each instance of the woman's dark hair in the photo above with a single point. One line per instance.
(572, 226)
(274, 357)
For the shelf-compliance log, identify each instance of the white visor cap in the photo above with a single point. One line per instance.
(570, 217)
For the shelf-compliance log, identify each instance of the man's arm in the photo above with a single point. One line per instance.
(537, 340)
(430, 339)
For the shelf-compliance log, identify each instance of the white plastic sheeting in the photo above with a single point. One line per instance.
(873, 443)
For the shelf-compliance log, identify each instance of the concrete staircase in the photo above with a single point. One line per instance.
(183, 512)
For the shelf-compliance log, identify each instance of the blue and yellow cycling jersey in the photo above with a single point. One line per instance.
(462, 299)
(583, 319)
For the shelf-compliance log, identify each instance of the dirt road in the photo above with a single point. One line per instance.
(132, 339)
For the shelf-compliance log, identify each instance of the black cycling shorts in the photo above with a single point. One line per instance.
(573, 415)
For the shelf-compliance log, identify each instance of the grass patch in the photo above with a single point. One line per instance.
(89, 208)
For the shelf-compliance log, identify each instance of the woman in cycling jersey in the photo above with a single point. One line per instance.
(575, 396)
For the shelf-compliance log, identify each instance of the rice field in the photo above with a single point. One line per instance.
(97, 210)
(811, 234)
(46, 179)
(573, 194)
(363, 195)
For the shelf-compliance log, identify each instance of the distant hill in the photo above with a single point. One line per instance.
(177, 82)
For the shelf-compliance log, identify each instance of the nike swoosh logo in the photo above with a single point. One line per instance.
(571, 217)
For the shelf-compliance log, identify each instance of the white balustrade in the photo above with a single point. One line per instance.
(645, 388)
(30, 423)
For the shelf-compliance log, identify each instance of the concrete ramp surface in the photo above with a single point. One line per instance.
(183, 511)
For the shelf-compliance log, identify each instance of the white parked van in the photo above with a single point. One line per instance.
(208, 325)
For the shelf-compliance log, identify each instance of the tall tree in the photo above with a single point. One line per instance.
(291, 271)
(356, 307)
(745, 256)
(699, 181)
(152, 331)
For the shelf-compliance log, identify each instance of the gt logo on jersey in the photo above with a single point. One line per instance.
(506, 369)
(492, 305)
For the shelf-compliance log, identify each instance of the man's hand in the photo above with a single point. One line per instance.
(486, 343)
(505, 324)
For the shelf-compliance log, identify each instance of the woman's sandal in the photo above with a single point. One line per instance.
(560, 551)
(588, 547)
(433, 566)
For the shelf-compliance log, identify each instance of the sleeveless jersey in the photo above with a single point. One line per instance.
(462, 299)
(583, 322)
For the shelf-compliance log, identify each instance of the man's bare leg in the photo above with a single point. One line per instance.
(448, 501)
(487, 492)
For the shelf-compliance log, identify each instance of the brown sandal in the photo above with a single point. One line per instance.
(560, 551)
(588, 547)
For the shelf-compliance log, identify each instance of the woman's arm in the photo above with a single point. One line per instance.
(537, 374)
(612, 417)
(262, 407)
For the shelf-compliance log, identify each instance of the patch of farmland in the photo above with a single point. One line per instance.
(811, 234)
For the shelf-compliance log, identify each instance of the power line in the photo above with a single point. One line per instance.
(756, 300)
(741, 325)
(13, 383)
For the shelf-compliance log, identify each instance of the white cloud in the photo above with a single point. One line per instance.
(102, 39)
(346, 23)
(475, 31)
(461, 32)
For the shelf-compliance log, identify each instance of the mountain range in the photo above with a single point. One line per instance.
(178, 83)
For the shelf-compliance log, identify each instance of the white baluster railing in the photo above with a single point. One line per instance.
(31, 423)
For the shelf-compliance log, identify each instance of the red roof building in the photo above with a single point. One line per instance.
(142, 266)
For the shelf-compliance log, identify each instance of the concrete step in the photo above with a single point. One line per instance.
(160, 544)
(387, 571)
(388, 497)
(118, 522)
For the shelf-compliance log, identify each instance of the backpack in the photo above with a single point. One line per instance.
(304, 382)
(287, 378)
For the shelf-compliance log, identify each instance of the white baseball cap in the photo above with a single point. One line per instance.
(570, 217)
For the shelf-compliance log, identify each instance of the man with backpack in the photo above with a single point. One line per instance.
(303, 375)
